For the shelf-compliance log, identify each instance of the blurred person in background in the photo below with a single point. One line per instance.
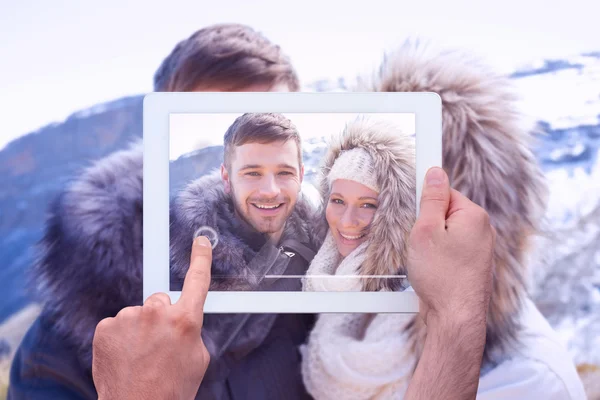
(90, 259)
(487, 158)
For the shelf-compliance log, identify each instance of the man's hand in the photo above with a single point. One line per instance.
(450, 267)
(155, 351)
(450, 257)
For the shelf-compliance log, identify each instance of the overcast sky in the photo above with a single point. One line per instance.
(61, 56)
(189, 132)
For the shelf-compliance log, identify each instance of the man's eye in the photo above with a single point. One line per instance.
(252, 174)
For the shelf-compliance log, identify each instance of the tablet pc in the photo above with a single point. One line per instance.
(306, 197)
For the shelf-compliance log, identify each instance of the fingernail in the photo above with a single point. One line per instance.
(435, 176)
(202, 241)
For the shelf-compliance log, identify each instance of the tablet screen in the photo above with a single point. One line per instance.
(285, 211)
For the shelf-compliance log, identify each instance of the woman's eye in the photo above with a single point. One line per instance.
(337, 201)
(369, 205)
(252, 174)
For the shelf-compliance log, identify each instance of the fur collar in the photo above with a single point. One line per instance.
(88, 264)
(204, 202)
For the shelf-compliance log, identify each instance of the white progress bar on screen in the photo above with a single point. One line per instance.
(337, 276)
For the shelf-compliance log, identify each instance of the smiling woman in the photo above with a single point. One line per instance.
(368, 180)
(353, 200)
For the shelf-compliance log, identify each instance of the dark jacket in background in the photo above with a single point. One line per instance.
(90, 267)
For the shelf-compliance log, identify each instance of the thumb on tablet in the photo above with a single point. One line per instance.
(197, 278)
(435, 199)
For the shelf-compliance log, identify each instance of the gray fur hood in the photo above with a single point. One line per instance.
(204, 203)
(487, 157)
(393, 154)
(88, 264)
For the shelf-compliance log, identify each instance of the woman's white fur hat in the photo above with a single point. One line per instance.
(355, 165)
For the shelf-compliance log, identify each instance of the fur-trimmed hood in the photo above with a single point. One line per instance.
(88, 264)
(393, 155)
(487, 157)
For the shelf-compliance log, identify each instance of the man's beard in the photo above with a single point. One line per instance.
(264, 225)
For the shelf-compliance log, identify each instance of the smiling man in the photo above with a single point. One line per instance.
(256, 205)
(263, 170)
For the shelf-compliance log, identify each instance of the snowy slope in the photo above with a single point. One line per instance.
(566, 265)
(564, 97)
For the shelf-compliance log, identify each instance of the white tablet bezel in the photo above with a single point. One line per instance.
(426, 107)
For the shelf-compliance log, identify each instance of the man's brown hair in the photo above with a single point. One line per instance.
(260, 128)
(228, 56)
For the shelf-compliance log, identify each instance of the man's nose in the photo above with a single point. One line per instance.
(269, 186)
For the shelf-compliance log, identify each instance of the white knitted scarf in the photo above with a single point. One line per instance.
(352, 356)
(329, 272)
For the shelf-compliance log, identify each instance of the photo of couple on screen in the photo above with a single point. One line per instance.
(294, 202)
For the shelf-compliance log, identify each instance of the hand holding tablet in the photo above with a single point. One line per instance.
(452, 237)
(150, 343)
